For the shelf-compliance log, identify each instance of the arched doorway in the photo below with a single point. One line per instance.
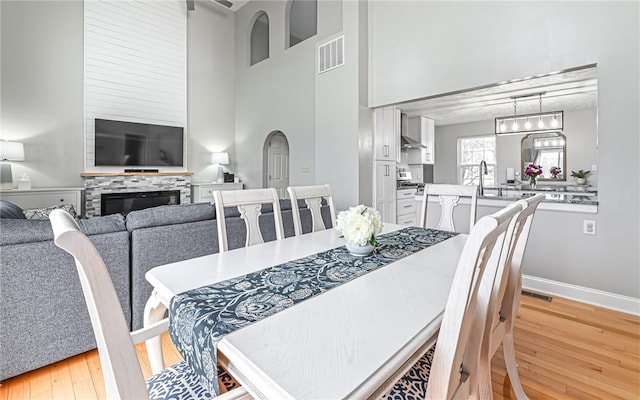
(276, 163)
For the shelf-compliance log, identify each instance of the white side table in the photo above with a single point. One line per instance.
(203, 192)
(45, 197)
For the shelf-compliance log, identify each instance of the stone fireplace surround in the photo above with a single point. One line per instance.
(95, 184)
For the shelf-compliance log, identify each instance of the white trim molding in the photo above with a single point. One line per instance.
(600, 298)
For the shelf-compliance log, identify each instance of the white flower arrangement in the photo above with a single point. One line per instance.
(360, 224)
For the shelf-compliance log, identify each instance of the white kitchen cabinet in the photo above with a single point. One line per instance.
(386, 134)
(203, 192)
(40, 198)
(406, 207)
(406, 194)
(427, 133)
(426, 128)
(384, 189)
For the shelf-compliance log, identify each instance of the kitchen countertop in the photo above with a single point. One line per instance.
(550, 197)
(558, 198)
(545, 188)
(568, 194)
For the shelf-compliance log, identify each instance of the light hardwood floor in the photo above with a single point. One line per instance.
(565, 349)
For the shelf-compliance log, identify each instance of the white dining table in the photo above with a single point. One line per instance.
(352, 341)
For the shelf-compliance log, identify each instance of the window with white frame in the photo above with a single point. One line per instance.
(471, 152)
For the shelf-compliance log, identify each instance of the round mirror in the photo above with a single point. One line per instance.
(547, 149)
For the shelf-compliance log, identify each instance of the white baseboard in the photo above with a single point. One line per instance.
(625, 304)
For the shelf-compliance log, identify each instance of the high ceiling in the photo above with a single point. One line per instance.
(568, 90)
(233, 5)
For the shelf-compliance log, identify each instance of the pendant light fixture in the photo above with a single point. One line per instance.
(515, 126)
(521, 124)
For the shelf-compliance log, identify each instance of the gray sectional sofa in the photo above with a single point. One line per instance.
(43, 316)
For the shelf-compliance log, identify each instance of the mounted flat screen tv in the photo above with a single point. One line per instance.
(119, 143)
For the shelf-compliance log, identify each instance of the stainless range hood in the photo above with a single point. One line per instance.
(408, 143)
(409, 138)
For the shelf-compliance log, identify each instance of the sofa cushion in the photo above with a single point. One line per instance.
(10, 211)
(100, 225)
(168, 215)
(16, 231)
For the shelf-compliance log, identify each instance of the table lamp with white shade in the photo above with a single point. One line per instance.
(220, 159)
(9, 151)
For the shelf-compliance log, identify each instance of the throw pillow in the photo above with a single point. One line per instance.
(43, 213)
(10, 211)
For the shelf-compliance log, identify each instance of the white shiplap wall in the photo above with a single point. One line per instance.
(135, 55)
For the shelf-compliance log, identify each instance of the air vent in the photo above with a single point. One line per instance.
(225, 3)
(537, 296)
(331, 55)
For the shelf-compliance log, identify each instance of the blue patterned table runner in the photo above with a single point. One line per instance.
(200, 318)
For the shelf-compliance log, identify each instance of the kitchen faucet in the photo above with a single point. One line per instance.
(483, 171)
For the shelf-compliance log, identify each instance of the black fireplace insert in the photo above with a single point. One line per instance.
(125, 202)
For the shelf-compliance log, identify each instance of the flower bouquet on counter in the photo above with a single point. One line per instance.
(555, 171)
(532, 171)
(360, 225)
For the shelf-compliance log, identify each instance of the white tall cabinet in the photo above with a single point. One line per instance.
(386, 134)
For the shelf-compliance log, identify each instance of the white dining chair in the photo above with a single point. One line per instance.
(452, 369)
(120, 365)
(312, 196)
(507, 290)
(249, 204)
(449, 198)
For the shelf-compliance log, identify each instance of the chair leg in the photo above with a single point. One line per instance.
(511, 363)
(154, 311)
(485, 389)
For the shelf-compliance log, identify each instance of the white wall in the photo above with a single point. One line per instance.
(365, 135)
(43, 89)
(338, 118)
(210, 88)
(258, 115)
(438, 47)
(581, 134)
(319, 114)
(275, 94)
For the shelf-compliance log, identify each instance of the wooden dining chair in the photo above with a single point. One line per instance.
(249, 204)
(312, 196)
(449, 198)
(505, 296)
(120, 366)
(452, 369)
